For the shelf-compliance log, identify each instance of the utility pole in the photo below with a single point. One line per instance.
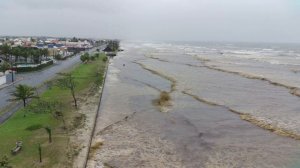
(12, 75)
(11, 68)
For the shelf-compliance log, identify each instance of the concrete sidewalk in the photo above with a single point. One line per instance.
(6, 85)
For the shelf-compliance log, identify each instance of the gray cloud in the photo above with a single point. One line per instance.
(197, 20)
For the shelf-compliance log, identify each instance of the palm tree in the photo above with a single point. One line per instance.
(36, 56)
(6, 50)
(31, 54)
(25, 56)
(23, 92)
(5, 66)
(45, 53)
(16, 51)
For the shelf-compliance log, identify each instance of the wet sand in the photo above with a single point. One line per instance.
(204, 125)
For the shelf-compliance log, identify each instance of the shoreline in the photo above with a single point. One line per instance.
(93, 124)
(131, 126)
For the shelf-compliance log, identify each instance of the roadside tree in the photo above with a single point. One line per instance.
(68, 82)
(23, 92)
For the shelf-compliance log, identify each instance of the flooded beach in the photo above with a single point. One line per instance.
(228, 105)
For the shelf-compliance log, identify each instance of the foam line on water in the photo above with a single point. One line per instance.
(250, 118)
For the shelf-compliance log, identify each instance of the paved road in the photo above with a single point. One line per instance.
(35, 79)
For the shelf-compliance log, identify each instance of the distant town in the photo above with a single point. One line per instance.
(24, 54)
(55, 46)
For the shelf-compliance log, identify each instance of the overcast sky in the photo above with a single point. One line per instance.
(180, 20)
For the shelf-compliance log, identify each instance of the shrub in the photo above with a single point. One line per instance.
(34, 127)
(104, 59)
(4, 66)
(43, 106)
(97, 55)
(58, 57)
(93, 58)
(164, 98)
(99, 80)
(85, 57)
(4, 163)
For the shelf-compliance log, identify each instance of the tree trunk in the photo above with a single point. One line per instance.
(40, 153)
(74, 98)
(50, 137)
(24, 102)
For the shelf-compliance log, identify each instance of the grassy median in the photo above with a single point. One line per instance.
(31, 129)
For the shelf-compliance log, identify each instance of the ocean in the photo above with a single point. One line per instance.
(231, 105)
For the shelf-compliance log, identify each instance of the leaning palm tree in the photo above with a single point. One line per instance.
(23, 92)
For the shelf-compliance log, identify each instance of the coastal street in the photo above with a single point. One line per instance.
(35, 79)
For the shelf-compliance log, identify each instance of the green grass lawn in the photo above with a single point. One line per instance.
(54, 154)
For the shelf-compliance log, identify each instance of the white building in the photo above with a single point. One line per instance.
(2, 78)
(18, 42)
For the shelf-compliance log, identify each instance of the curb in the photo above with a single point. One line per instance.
(7, 85)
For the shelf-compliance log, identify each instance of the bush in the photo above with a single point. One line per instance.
(43, 106)
(85, 57)
(99, 80)
(97, 55)
(164, 98)
(58, 57)
(93, 58)
(4, 66)
(34, 127)
(4, 163)
(104, 59)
